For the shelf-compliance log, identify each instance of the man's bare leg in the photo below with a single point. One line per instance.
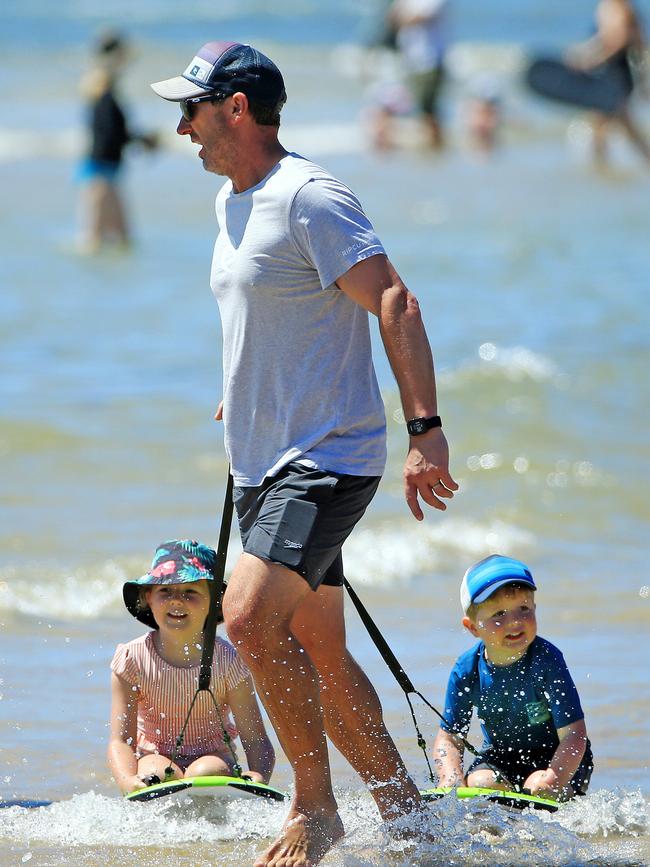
(353, 714)
(259, 604)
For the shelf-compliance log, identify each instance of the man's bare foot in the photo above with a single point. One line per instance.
(303, 842)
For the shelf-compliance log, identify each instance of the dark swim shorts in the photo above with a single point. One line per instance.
(515, 768)
(301, 518)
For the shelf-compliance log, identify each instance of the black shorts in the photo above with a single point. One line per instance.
(301, 518)
(516, 767)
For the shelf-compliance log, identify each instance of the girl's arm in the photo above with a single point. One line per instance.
(122, 738)
(448, 759)
(566, 760)
(260, 754)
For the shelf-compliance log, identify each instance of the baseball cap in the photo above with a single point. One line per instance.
(226, 67)
(485, 577)
(178, 561)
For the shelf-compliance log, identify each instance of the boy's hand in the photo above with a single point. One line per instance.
(543, 783)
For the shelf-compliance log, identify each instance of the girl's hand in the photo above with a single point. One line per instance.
(135, 783)
(254, 776)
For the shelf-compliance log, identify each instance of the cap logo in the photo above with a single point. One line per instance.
(198, 69)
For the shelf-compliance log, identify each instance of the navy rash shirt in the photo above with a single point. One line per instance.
(520, 706)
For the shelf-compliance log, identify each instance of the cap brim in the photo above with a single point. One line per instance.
(492, 588)
(175, 89)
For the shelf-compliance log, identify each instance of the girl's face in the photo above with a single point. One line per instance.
(179, 607)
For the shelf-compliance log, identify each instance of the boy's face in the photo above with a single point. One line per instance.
(506, 623)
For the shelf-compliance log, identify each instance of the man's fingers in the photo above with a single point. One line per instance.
(428, 494)
(411, 495)
(447, 481)
(440, 490)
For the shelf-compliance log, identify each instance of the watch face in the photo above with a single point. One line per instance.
(417, 426)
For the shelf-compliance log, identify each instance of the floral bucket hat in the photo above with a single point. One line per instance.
(178, 561)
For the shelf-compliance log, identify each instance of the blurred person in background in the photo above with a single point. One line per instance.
(103, 214)
(615, 53)
(421, 36)
(482, 116)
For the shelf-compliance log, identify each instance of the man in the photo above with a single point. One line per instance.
(296, 267)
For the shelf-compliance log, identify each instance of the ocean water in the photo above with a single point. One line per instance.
(532, 271)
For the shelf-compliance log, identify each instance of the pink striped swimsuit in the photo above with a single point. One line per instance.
(164, 695)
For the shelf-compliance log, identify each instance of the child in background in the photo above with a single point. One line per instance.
(527, 703)
(155, 677)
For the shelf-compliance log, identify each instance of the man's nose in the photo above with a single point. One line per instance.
(183, 128)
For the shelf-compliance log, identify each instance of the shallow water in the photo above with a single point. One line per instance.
(531, 270)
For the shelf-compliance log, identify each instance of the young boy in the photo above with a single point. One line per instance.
(527, 703)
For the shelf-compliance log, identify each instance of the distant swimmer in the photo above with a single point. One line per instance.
(600, 75)
(615, 52)
(531, 717)
(421, 36)
(154, 679)
(104, 218)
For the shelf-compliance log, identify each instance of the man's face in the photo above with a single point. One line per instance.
(209, 128)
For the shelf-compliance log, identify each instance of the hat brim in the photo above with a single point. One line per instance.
(175, 89)
(131, 596)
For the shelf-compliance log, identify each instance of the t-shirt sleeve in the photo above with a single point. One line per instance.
(330, 229)
(561, 693)
(124, 665)
(458, 703)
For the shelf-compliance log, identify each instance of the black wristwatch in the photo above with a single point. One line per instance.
(417, 426)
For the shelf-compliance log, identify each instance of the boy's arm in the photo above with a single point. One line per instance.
(260, 754)
(448, 758)
(122, 738)
(566, 760)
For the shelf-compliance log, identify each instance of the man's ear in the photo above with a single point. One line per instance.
(239, 105)
(470, 626)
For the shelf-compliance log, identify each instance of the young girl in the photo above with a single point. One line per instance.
(155, 677)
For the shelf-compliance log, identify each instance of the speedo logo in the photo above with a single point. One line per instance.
(289, 544)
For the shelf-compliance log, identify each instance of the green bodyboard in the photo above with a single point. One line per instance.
(520, 800)
(207, 786)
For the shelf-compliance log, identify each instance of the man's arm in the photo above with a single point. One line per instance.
(375, 285)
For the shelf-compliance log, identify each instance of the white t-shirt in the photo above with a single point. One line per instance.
(299, 382)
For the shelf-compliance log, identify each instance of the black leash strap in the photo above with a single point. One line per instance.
(215, 616)
(399, 674)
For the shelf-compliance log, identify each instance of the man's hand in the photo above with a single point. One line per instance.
(426, 472)
(218, 416)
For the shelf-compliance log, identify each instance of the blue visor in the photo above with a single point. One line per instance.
(483, 579)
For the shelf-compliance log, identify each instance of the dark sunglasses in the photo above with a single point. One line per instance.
(187, 105)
